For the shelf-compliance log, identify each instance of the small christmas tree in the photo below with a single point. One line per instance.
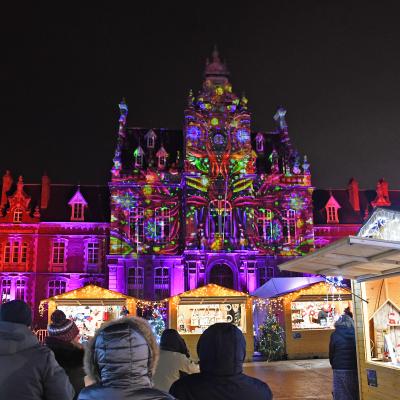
(271, 339)
(157, 324)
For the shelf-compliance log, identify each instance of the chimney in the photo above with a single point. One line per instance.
(7, 183)
(382, 194)
(354, 197)
(385, 189)
(45, 196)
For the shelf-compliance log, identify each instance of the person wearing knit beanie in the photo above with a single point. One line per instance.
(16, 311)
(63, 340)
(61, 327)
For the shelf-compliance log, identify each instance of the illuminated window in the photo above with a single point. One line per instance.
(138, 154)
(7, 253)
(135, 281)
(5, 290)
(290, 226)
(136, 225)
(77, 212)
(20, 285)
(260, 142)
(161, 282)
(58, 253)
(162, 219)
(264, 223)
(17, 216)
(24, 251)
(93, 253)
(220, 219)
(56, 287)
(15, 252)
(332, 215)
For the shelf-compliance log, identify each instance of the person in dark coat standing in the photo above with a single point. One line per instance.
(120, 361)
(343, 359)
(28, 371)
(63, 340)
(222, 350)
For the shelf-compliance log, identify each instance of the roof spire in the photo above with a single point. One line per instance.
(215, 55)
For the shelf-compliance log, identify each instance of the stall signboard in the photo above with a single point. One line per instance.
(196, 318)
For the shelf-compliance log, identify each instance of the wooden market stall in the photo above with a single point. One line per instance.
(307, 309)
(371, 259)
(191, 312)
(90, 306)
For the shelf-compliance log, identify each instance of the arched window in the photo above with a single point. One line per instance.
(93, 253)
(220, 219)
(17, 215)
(135, 281)
(290, 226)
(264, 223)
(162, 221)
(56, 287)
(161, 282)
(136, 225)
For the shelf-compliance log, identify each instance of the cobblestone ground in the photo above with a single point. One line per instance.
(295, 379)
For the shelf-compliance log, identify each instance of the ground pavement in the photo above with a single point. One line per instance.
(295, 379)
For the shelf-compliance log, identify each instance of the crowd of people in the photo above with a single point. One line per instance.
(123, 361)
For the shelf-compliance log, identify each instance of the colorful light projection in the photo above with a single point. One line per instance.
(226, 199)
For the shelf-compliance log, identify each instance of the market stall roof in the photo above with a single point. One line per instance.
(90, 294)
(276, 287)
(210, 293)
(374, 253)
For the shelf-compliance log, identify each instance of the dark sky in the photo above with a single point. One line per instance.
(335, 66)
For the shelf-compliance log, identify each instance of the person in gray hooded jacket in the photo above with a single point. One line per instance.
(28, 371)
(120, 362)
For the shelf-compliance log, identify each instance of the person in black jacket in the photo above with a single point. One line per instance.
(343, 359)
(222, 350)
(28, 371)
(120, 361)
(63, 340)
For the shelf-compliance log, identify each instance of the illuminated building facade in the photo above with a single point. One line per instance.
(53, 238)
(213, 203)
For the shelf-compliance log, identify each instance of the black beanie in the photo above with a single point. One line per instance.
(16, 311)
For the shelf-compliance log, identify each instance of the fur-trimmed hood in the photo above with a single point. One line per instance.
(123, 352)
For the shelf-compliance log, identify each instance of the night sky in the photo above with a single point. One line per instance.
(335, 66)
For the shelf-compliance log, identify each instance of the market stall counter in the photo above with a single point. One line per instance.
(371, 259)
(90, 306)
(192, 312)
(307, 309)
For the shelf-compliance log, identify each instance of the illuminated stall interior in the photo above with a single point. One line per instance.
(192, 312)
(90, 307)
(372, 260)
(306, 308)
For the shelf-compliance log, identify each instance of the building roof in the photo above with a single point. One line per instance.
(346, 213)
(58, 210)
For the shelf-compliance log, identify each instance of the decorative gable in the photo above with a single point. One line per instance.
(20, 208)
(78, 204)
(332, 206)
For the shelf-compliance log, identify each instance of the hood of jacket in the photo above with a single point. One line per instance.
(123, 353)
(222, 350)
(15, 338)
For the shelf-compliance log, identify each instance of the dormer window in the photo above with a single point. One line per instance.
(138, 154)
(77, 212)
(162, 157)
(332, 207)
(78, 204)
(151, 139)
(17, 216)
(260, 142)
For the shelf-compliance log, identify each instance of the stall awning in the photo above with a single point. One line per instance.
(352, 257)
